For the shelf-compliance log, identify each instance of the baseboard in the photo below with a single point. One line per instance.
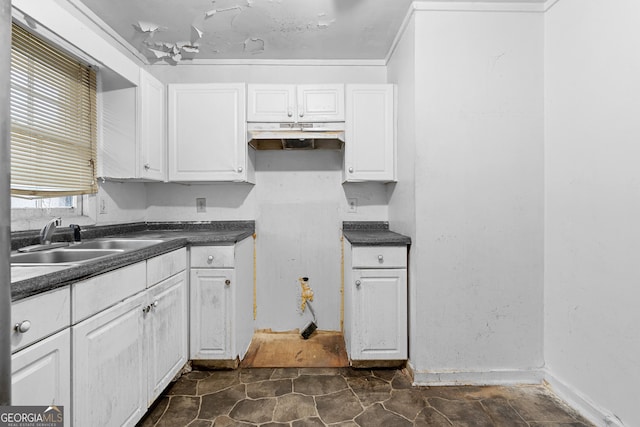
(495, 377)
(581, 403)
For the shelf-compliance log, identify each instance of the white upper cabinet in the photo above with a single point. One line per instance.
(370, 133)
(152, 137)
(207, 133)
(295, 103)
(133, 140)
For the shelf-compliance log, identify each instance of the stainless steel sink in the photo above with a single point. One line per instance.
(120, 244)
(61, 256)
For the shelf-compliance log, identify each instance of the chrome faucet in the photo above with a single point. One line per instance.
(47, 231)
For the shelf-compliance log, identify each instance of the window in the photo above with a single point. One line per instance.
(53, 121)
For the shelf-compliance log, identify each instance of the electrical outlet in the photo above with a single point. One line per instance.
(353, 205)
(201, 204)
(102, 206)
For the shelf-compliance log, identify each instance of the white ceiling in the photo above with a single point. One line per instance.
(254, 29)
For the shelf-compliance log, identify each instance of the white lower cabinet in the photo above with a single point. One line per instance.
(41, 350)
(211, 311)
(40, 374)
(109, 379)
(375, 327)
(221, 296)
(126, 353)
(379, 315)
(166, 326)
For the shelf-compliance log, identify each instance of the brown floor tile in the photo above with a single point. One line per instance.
(431, 418)
(376, 415)
(254, 411)
(370, 390)
(181, 411)
(501, 412)
(338, 407)
(540, 407)
(221, 403)
(294, 407)
(308, 422)
(346, 397)
(284, 373)
(314, 385)
(405, 403)
(271, 388)
(217, 382)
(185, 387)
(228, 422)
(254, 375)
(462, 412)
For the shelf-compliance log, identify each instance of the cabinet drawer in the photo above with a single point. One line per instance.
(212, 256)
(47, 313)
(379, 257)
(94, 295)
(165, 266)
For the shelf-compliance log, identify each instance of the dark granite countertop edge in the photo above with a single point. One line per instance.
(75, 273)
(373, 233)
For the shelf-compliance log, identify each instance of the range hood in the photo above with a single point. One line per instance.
(296, 136)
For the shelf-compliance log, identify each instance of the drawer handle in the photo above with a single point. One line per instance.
(358, 283)
(210, 259)
(22, 327)
(380, 259)
(227, 282)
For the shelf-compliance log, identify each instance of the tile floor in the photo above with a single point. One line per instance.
(299, 397)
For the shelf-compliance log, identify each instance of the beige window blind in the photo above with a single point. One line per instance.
(53, 120)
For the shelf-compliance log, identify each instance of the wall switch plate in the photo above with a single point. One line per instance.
(353, 205)
(201, 204)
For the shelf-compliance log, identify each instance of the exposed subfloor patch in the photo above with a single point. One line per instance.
(323, 349)
(297, 397)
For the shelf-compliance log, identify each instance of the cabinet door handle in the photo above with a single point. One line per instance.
(350, 170)
(155, 304)
(240, 169)
(289, 113)
(301, 109)
(358, 283)
(227, 282)
(146, 309)
(210, 259)
(22, 327)
(147, 166)
(380, 259)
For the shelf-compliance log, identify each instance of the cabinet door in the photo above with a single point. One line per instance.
(271, 103)
(166, 330)
(109, 367)
(152, 139)
(379, 322)
(370, 148)
(211, 313)
(320, 103)
(41, 374)
(207, 133)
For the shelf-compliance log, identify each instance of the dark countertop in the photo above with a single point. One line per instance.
(28, 281)
(372, 233)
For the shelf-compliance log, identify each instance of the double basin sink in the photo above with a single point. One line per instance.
(81, 252)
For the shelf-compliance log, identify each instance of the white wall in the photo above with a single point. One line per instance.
(478, 250)
(592, 237)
